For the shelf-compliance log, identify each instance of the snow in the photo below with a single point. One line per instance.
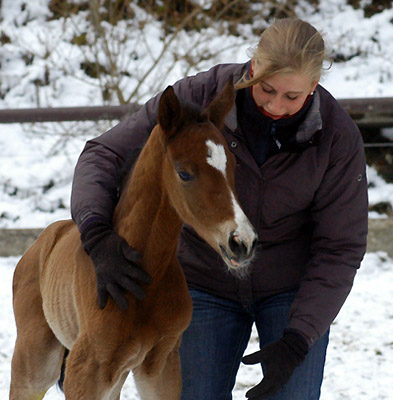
(37, 161)
(360, 354)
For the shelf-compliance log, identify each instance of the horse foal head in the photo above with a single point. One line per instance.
(198, 173)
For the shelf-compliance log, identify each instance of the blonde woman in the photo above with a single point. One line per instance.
(300, 179)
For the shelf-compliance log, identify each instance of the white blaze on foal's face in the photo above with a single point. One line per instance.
(239, 229)
(216, 156)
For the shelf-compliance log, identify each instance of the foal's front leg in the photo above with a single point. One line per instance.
(88, 378)
(159, 376)
(115, 395)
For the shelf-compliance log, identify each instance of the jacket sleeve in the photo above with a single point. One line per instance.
(99, 169)
(340, 215)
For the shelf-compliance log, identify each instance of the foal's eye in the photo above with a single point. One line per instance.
(185, 176)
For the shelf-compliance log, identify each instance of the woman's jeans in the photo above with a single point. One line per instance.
(213, 345)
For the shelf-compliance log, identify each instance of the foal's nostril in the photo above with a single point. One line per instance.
(237, 246)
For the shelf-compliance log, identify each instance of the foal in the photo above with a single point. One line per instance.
(185, 173)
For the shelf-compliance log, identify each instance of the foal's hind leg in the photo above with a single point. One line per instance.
(38, 354)
(35, 367)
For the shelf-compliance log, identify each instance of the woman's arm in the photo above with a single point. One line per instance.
(340, 213)
(99, 170)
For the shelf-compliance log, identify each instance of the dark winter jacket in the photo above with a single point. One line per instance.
(307, 201)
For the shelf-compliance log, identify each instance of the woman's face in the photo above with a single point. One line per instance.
(283, 94)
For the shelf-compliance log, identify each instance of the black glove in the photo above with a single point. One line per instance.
(116, 264)
(279, 360)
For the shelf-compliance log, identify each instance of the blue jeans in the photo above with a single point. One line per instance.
(213, 345)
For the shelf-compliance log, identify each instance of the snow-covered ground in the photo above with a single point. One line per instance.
(36, 168)
(359, 362)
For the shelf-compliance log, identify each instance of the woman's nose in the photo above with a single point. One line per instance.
(275, 106)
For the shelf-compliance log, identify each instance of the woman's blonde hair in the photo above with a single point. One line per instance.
(288, 45)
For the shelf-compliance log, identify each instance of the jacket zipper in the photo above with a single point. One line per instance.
(273, 133)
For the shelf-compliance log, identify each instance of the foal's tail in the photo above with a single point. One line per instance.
(60, 382)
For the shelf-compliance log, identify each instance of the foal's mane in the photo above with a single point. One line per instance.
(191, 112)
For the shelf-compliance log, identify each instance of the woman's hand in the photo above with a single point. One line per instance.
(279, 360)
(117, 266)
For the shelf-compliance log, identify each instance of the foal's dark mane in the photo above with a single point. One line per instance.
(192, 112)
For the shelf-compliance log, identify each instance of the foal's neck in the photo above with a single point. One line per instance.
(144, 216)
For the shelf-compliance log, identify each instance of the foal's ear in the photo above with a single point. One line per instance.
(169, 111)
(222, 104)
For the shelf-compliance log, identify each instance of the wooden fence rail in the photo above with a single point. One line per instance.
(14, 242)
(375, 112)
(57, 114)
(368, 113)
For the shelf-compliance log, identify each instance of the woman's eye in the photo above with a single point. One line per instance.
(267, 90)
(185, 176)
(292, 98)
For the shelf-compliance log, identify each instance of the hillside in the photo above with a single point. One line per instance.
(53, 56)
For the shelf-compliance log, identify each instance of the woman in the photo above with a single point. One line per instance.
(301, 180)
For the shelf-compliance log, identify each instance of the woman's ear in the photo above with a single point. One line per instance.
(313, 87)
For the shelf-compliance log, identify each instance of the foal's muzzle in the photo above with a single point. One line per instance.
(240, 251)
